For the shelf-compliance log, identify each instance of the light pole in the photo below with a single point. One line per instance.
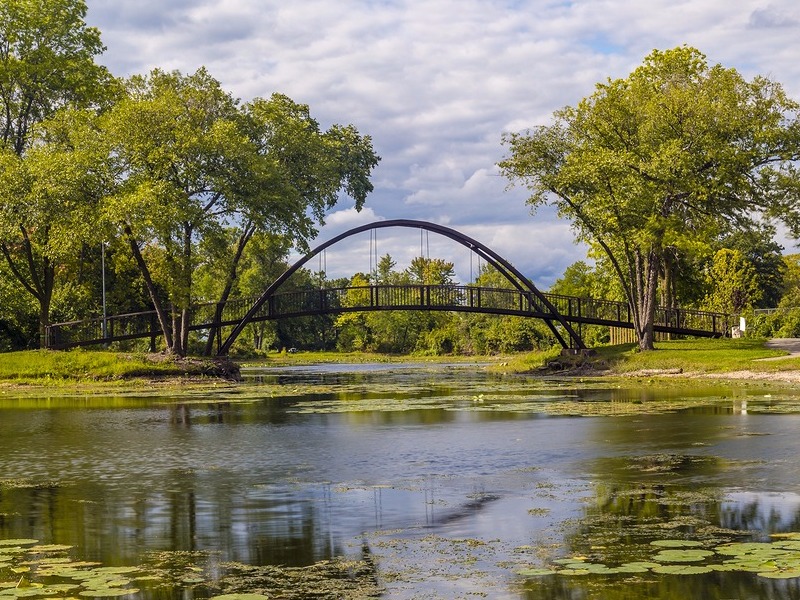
(103, 267)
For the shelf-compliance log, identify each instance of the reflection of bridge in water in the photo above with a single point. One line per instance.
(522, 299)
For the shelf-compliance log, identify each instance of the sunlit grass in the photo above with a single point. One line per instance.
(45, 366)
(319, 357)
(689, 356)
(698, 355)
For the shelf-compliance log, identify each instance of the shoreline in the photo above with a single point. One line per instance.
(47, 373)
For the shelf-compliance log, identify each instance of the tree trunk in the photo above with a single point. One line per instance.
(230, 279)
(151, 288)
(645, 288)
(40, 286)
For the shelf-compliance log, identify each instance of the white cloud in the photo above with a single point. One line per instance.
(437, 82)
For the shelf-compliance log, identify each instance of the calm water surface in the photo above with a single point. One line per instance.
(450, 479)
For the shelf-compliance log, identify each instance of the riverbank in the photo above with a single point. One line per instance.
(57, 369)
(775, 361)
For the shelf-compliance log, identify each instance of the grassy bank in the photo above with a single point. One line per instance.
(58, 368)
(683, 356)
(700, 356)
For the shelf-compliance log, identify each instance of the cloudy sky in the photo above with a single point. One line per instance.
(436, 83)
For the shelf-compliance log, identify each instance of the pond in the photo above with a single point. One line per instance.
(404, 481)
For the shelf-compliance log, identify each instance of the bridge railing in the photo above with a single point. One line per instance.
(438, 297)
(590, 308)
(99, 329)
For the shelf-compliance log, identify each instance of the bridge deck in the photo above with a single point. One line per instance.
(389, 297)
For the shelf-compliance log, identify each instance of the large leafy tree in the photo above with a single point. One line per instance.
(733, 283)
(49, 200)
(658, 161)
(47, 63)
(192, 165)
(307, 170)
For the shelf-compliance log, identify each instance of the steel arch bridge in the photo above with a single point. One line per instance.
(537, 302)
(522, 299)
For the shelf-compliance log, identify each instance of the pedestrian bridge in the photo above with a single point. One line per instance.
(521, 298)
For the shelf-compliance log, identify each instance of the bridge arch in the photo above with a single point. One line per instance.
(517, 279)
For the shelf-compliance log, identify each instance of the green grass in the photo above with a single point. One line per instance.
(275, 359)
(697, 356)
(41, 367)
(44, 366)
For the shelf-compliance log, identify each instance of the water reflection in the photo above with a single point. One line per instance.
(441, 475)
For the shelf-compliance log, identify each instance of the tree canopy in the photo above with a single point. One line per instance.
(191, 164)
(47, 65)
(661, 160)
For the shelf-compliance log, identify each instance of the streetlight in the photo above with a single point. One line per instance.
(103, 267)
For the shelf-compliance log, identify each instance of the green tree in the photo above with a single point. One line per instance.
(431, 271)
(764, 254)
(49, 200)
(662, 159)
(790, 297)
(308, 170)
(47, 64)
(355, 330)
(733, 282)
(191, 163)
(262, 261)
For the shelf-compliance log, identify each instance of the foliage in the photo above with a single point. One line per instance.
(47, 55)
(47, 62)
(48, 202)
(191, 164)
(663, 159)
(791, 282)
(37, 365)
(760, 250)
(733, 283)
(696, 356)
(777, 323)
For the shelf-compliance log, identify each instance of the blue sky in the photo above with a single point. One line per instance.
(436, 83)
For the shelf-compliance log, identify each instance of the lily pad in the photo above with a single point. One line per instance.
(21, 592)
(240, 597)
(570, 572)
(45, 548)
(781, 574)
(116, 570)
(682, 555)
(18, 542)
(682, 569)
(107, 592)
(536, 572)
(676, 543)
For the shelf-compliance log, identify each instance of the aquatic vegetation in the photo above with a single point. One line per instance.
(29, 569)
(779, 559)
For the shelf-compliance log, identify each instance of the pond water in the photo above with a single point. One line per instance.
(404, 481)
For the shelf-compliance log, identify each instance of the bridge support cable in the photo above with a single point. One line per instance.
(553, 319)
